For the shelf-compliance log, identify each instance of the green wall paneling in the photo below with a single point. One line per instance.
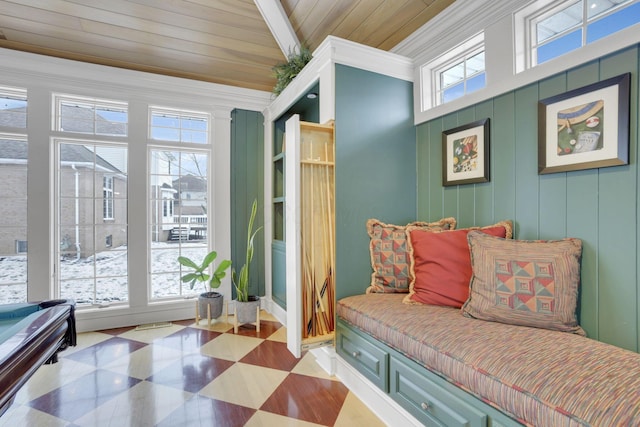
(503, 158)
(247, 183)
(526, 140)
(618, 191)
(375, 166)
(599, 206)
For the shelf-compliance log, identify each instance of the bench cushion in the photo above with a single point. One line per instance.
(536, 376)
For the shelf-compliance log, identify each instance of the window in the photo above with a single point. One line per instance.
(179, 223)
(107, 197)
(454, 74)
(179, 126)
(463, 77)
(13, 107)
(552, 29)
(91, 116)
(21, 246)
(13, 215)
(92, 253)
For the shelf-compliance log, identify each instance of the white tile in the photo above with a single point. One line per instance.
(230, 347)
(145, 404)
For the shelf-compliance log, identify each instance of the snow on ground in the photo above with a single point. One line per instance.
(110, 271)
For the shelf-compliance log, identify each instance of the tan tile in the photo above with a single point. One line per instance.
(356, 413)
(267, 419)
(230, 347)
(309, 366)
(246, 385)
(280, 335)
(86, 339)
(149, 335)
(265, 315)
(145, 362)
(145, 404)
(25, 416)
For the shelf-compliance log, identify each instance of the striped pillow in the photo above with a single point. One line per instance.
(527, 283)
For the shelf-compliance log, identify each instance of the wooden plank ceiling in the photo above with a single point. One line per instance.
(221, 41)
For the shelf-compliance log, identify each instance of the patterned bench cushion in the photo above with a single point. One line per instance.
(536, 376)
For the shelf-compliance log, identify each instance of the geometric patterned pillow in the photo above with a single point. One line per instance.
(389, 253)
(525, 282)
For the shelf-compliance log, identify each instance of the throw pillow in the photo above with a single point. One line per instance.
(528, 283)
(389, 254)
(441, 267)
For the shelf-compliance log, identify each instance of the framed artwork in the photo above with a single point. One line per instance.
(585, 128)
(465, 154)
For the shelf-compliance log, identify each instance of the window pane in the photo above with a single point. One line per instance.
(92, 222)
(613, 23)
(598, 7)
(476, 82)
(179, 126)
(452, 76)
(560, 46)
(88, 116)
(13, 220)
(13, 108)
(453, 92)
(559, 22)
(179, 221)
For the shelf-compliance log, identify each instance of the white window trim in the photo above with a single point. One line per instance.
(430, 72)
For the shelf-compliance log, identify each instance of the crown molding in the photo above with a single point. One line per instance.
(21, 67)
(467, 17)
(335, 50)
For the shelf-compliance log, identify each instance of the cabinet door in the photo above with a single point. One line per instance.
(310, 225)
(293, 274)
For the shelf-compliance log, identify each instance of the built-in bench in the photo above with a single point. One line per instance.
(447, 369)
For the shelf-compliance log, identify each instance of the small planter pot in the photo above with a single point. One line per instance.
(213, 300)
(246, 311)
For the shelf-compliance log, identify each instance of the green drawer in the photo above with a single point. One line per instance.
(366, 357)
(428, 402)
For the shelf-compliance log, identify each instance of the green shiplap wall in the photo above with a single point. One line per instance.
(247, 183)
(599, 206)
(375, 166)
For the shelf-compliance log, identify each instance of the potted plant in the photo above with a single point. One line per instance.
(209, 300)
(246, 305)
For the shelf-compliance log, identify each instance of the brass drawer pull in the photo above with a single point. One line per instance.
(355, 354)
(425, 406)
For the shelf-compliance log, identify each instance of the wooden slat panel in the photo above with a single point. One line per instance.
(466, 199)
(503, 172)
(553, 187)
(181, 37)
(484, 191)
(617, 272)
(526, 142)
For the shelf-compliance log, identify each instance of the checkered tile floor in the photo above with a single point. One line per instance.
(186, 375)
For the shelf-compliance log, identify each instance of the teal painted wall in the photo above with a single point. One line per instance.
(247, 183)
(375, 166)
(599, 206)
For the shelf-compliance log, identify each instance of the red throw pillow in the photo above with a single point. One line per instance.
(441, 264)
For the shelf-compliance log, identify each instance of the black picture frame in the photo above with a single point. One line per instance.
(585, 128)
(465, 154)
